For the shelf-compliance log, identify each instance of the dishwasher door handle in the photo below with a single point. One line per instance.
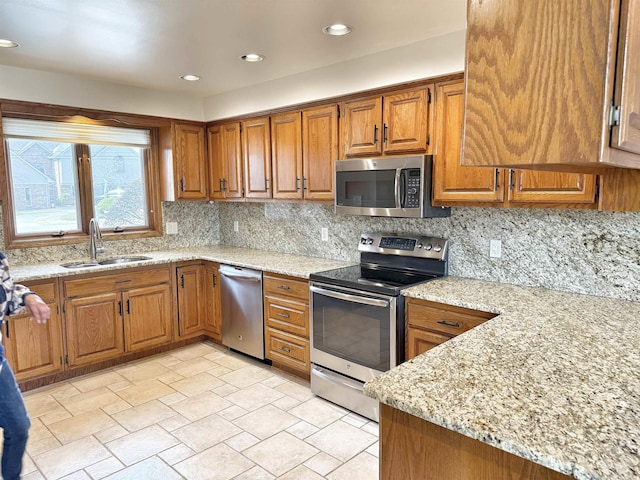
(239, 276)
(350, 298)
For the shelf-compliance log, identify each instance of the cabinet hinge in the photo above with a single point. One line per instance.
(66, 359)
(614, 117)
(428, 139)
(428, 97)
(64, 310)
(338, 111)
(61, 360)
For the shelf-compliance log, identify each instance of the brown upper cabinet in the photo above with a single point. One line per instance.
(394, 123)
(319, 151)
(256, 151)
(189, 159)
(552, 85)
(225, 161)
(455, 184)
(286, 155)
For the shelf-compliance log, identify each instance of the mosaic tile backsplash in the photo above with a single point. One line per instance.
(581, 251)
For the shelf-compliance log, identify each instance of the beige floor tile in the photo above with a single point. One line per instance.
(216, 463)
(296, 450)
(317, 412)
(116, 407)
(233, 361)
(206, 432)
(254, 396)
(201, 405)
(112, 433)
(194, 366)
(322, 463)
(286, 403)
(302, 429)
(225, 389)
(374, 449)
(341, 440)
(33, 476)
(173, 423)
(146, 372)
(172, 398)
(255, 473)
(91, 400)
(83, 425)
(274, 381)
(192, 385)
(38, 405)
(38, 431)
(143, 415)
(79, 475)
(232, 412)
(145, 392)
(242, 441)
(54, 417)
(356, 420)
(60, 390)
(362, 467)
(116, 387)
(194, 351)
(176, 454)
(266, 421)
(70, 458)
(142, 444)
(27, 465)
(301, 473)
(373, 428)
(170, 378)
(219, 371)
(87, 383)
(44, 445)
(295, 390)
(213, 356)
(245, 376)
(104, 468)
(150, 469)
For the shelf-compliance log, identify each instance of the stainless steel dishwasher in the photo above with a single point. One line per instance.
(242, 324)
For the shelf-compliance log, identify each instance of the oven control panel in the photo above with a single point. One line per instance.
(408, 245)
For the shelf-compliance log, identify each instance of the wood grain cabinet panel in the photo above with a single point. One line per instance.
(256, 151)
(319, 151)
(361, 127)
(191, 300)
(35, 349)
(213, 313)
(225, 161)
(551, 187)
(286, 155)
(147, 317)
(190, 161)
(405, 121)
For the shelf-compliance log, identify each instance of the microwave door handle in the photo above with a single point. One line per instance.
(350, 298)
(398, 189)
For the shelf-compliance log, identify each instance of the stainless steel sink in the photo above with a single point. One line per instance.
(106, 261)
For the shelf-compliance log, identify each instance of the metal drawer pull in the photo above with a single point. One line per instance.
(285, 315)
(449, 324)
(284, 287)
(285, 349)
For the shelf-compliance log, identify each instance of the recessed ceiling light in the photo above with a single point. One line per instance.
(337, 29)
(8, 43)
(253, 57)
(190, 78)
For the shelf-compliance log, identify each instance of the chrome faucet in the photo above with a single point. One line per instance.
(95, 239)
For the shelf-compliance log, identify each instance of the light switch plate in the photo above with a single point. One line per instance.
(495, 249)
(172, 228)
(236, 226)
(324, 234)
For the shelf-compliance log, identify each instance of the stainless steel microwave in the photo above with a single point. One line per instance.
(386, 187)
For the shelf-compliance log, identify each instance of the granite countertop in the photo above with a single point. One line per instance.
(275, 262)
(554, 378)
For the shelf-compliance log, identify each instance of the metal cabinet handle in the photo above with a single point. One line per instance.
(497, 180)
(384, 133)
(297, 184)
(285, 349)
(375, 134)
(284, 287)
(449, 324)
(284, 315)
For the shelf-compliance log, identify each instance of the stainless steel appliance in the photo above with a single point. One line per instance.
(357, 314)
(242, 323)
(386, 187)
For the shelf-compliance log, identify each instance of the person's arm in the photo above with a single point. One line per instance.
(18, 296)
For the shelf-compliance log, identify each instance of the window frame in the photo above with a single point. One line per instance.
(152, 169)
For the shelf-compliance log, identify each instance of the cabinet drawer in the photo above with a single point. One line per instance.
(444, 318)
(287, 349)
(420, 341)
(277, 285)
(287, 315)
(116, 281)
(45, 290)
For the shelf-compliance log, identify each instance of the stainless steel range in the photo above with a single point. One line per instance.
(357, 322)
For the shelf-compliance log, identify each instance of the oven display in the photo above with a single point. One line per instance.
(398, 243)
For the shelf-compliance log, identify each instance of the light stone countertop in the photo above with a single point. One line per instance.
(275, 262)
(555, 378)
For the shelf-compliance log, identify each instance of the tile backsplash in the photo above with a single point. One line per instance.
(581, 251)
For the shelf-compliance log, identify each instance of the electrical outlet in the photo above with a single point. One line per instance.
(495, 249)
(236, 226)
(324, 234)
(172, 228)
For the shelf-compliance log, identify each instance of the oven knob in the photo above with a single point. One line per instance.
(427, 246)
(363, 241)
(369, 241)
(419, 245)
(437, 248)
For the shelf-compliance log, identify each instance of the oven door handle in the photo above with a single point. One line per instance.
(375, 302)
(397, 189)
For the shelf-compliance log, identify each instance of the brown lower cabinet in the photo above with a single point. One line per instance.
(413, 449)
(35, 349)
(199, 300)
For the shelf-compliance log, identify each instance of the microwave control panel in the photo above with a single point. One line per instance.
(413, 188)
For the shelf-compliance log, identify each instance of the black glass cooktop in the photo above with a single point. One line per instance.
(372, 278)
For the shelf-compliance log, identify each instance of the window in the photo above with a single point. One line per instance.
(61, 174)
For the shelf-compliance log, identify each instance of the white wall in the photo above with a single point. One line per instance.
(62, 89)
(428, 58)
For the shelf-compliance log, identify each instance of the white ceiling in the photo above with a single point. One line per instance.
(150, 43)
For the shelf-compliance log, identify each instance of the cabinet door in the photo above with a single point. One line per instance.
(94, 328)
(190, 300)
(286, 151)
(147, 317)
(453, 183)
(405, 121)
(528, 186)
(217, 170)
(189, 151)
(213, 319)
(420, 341)
(232, 154)
(34, 349)
(256, 143)
(319, 151)
(361, 127)
(626, 135)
